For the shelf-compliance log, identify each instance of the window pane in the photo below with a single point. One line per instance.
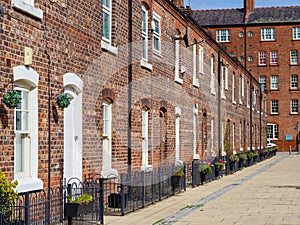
(106, 26)
(20, 150)
(18, 120)
(106, 3)
(294, 82)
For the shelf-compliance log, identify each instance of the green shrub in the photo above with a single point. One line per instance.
(8, 195)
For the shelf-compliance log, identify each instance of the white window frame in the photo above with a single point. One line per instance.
(274, 130)
(263, 81)
(222, 82)
(262, 58)
(233, 89)
(212, 134)
(296, 33)
(247, 94)
(223, 35)
(107, 9)
(233, 136)
(226, 78)
(144, 33)
(268, 34)
(241, 136)
(177, 133)
(145, 137)
(274, 107)
(28, 7)
(177, 62)
(274, 57)
(195, 119)
(26, 79)
(157, 33)
(195, 78)
(294, 106)
(294, 57)
(107, 169)
(212, 76)
(274, 82)
(201, 60)
(294, 82)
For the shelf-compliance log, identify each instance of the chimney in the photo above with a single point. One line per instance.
(179, 3)
(249, 5)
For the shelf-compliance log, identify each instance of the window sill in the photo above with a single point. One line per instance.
(234, 102)
(294, 113)
(274, 114)
(27, 8)
(146, 65)
(294, 64)
(29, 184)
(262, 65)
(213, 91)
(294, 89)
(223, 97)
(157, 53)
(109, 48)
(147, 168)
(196, 156)
(196, 83)
(178, 80)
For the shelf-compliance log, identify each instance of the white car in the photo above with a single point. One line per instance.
(270, 143)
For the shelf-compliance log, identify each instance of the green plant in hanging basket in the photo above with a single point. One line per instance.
(63, 100)
(12, 98)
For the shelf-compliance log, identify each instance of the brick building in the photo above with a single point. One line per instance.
(266, 41)
(147, 86)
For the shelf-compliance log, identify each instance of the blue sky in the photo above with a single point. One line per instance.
(222, 4)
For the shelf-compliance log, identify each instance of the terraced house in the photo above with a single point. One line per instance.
(266, 42)
(147, 87)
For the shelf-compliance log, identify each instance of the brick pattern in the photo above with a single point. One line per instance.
(68, 39)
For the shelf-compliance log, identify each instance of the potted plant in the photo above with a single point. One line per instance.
(205, 170)
(79, 205)
(12, 98)
(219, 166)
(63, 100)
(243, 159)
(178, 176)
(8, 197)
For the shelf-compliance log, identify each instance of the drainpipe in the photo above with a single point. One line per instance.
(219, 102)
(129, 83)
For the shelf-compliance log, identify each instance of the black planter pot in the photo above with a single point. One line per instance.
(76, 209)
(176, 181)
(203, 177)
(115, 200)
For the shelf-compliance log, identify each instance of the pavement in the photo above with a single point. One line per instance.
(267, 193)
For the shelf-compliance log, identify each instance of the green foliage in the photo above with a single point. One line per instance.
(219, 165)
(63, 100)
(234, 158)
(179, 168)
(8, 195)
(84, 198)
(12, 98)
(250, 155)
(243, 156)
(205, 169)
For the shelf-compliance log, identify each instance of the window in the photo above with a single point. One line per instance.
(274, 107)
(250, 34)
(107, 138)
(268, 34)
(177, 133)
(26, 130)
(262, 60)
(22, 132)
(294, 57)
(272, 131)
(247, 94)
(212, 75)
(28, 7)
(212, 134)
(226, 78)
(294, 82)
(106, 20)
(144, 33)
(156, 33)
(145, 118)
(177, 60)
(274, 82)
(223, 35)
(296, 33)
(195, 79)
(233, 88)
(195, 119)
(263, 82)
(274, 57)
(200, 59)
(294, 106)
(250, 58)
(241, 34)
(233, 136)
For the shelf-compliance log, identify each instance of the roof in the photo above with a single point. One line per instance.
(258, 15)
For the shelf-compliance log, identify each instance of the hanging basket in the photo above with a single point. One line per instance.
(12, 99)
(63, 100)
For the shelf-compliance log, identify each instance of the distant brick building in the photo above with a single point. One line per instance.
(147, 87)
(266, 41)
